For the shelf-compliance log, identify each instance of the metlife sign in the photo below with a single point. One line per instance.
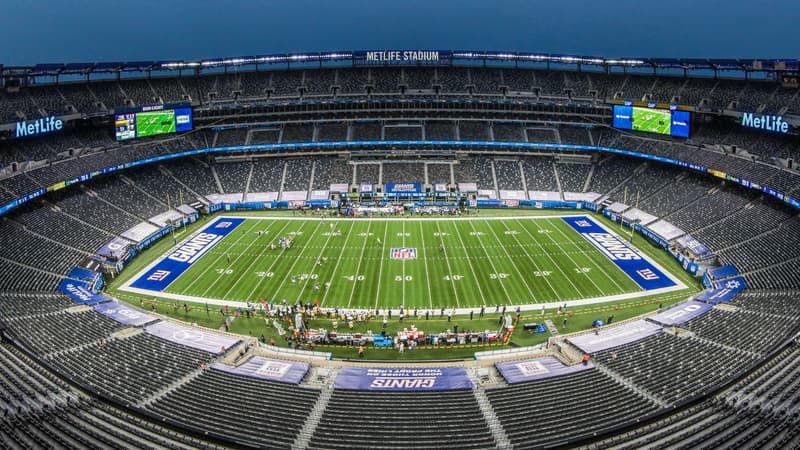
(775, 124)
(38, 127)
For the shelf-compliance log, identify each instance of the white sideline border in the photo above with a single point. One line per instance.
(679, 285)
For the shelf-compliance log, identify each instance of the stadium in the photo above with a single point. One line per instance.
(400, 249)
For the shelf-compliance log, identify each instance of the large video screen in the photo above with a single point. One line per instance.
(651, 120)
(152, 123)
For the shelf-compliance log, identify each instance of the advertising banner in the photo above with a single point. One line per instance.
(615, 337)
(268, 369)
(192, 337)
(124, 314)
(682, 313)
(537, 369)
(403, 379)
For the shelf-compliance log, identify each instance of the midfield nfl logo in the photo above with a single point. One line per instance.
(403, 253)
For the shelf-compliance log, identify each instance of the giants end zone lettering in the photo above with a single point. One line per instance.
(626, 258)
(192, 250)
(167, 270)
(611, 246)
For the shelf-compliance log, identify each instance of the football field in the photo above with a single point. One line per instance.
(380, 263)
(652, 120)
(155, 122)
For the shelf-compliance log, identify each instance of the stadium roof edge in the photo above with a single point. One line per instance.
(357, 57)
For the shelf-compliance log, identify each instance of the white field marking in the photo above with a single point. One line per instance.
(314, 267)
(679, 285)
(591, 260)
(471, 266)
(528, 307)
(221, 255)
(494, 269)
(533, 296)
(647, 258)
(552, 260)
(269, 269)
(358, 267)
(336, 266)
(252, 262)
(296, 260)
(574, 263)
(427, 272)
(403, 265)
(415, 218)
(380, 265)
(533, 261)
(450, 270)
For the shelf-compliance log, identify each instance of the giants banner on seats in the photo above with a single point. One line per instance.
(192, 337)
(80, 292)
(124, 314)
(537, 369)
(403, 379)
(404, 189)
(682, 313)
(268, 369)
(615, 337)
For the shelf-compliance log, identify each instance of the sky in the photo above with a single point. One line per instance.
(56, 31)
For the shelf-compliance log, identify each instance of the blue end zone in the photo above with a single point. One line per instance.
(620, 253)
(158, 277)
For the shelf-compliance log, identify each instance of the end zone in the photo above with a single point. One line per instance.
(641, 269)
(159, 275)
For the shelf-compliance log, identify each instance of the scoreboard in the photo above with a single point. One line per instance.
(151, 121)
(671, 122)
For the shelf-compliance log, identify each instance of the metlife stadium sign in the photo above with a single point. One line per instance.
(776, 124)
(38, 127)
(407, 55)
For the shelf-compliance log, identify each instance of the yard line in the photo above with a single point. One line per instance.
(380, 266)
(296, 260)
(269, 269)
(533, 260)
(336, 266)
(314, 267)
(253, 261)
(358, 267)
(550, 257)
(222, 253)
(403, 265)
(489, 258)
(533, 296)
(427, 272)
(450, 271)
(558, 244)
(592, 261)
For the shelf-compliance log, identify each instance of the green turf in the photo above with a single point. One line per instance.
(652, 120)
(582, 316)
(155, 122)
(460, 263)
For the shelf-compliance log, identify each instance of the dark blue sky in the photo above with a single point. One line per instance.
(83, 31)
